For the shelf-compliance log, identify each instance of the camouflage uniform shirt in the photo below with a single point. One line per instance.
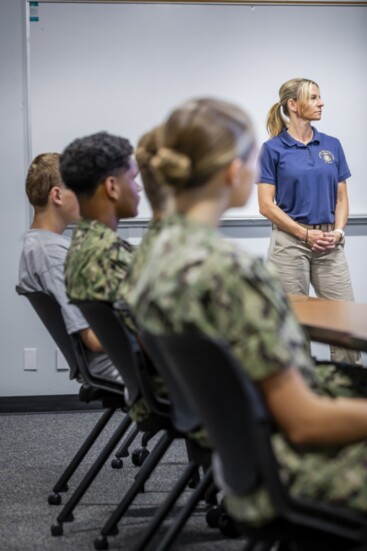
(195, 279)
(97, 264)
(95, 269)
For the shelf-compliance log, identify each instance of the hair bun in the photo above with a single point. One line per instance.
(170, 166)
(142, 156)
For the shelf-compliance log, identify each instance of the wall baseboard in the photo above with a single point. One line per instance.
(43, 404)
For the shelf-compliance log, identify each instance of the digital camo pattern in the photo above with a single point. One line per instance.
(96, 265)
(345, 380)
(96, 268)
(194, 279)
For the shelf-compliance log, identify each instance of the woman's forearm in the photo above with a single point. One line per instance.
(283, 221)
(269, 209)
(342, 206)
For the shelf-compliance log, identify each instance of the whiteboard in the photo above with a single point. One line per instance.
(123, 67)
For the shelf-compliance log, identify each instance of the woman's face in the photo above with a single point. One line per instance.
(311, 109)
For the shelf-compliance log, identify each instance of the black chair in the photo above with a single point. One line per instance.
(49, 311)
(240, 428)
(110, 329)
(116, 341)
(185, 422)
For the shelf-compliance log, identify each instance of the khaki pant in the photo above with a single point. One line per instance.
(298, 267)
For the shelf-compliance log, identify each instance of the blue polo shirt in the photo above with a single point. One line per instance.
(306, 176)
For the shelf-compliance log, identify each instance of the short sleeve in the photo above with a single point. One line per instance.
(267, 162)
(259, 323)
(343, 169)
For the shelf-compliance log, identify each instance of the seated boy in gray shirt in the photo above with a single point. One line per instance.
(41, 266)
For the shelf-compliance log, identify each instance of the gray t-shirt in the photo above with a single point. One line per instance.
(41, 268)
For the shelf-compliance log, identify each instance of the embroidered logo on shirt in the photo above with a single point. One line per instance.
(326, 156)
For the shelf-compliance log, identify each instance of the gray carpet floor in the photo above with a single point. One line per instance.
(35, 449)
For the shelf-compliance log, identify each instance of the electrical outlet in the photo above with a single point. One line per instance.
(61, 363)
(30, 359)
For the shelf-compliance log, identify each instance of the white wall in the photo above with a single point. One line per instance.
(19, 326)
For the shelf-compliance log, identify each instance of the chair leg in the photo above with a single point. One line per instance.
(110, 527)
(195, 479)
(166, 507)
(66, 513)
(211, 495)
(123, 450)
(61, 484)
(185, 513)
(148, 435)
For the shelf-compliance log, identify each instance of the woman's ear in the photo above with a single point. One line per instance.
(292, 105)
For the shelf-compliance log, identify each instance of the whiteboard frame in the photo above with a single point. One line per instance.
(244, 221)
(223, 2)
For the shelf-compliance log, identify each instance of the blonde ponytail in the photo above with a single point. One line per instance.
(275, 121)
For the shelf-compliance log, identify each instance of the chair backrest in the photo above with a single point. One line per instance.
(184, 419)
(225, 399)
(49, 311)
(240, 428)
(115, 340)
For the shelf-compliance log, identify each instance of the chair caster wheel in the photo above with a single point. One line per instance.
(138, 456)
(57, 530)
(213, 516)
(54, 499)
(227, 526)
(117, 463)
(101, 543)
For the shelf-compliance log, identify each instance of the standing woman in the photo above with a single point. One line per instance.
(302, 190)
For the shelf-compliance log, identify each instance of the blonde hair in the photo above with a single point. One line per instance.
(43, 174)
(199, 138)
(278, 117)
(147, 148)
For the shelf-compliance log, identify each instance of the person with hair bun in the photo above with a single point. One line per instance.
(302, 190)
(196, 280)
(159, 197)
